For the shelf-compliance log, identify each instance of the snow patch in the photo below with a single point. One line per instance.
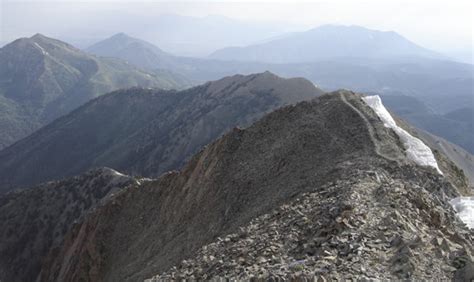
(116, 173)
(41, 48)
(464, 207)
(416, 150)
(143, 180)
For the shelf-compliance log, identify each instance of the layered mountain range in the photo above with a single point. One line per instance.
(335, 57)
(247, 177)
(145, 132)
(322, 189)
(42, 78)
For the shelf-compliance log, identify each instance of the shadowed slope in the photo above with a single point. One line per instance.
(35, 220)
(145, 132)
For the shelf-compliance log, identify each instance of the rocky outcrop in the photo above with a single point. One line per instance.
(368, 224)
(320, 188)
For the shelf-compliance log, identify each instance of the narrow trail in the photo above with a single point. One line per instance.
(370, 128)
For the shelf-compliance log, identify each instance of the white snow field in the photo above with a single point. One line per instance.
(464, 207)
(421, 154)
(415, 149)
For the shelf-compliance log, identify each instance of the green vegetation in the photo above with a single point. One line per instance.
(42, 79)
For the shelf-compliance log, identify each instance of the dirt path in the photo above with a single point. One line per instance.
(370, 128)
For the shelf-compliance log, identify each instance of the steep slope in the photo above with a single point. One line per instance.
(145, 132)
(35, 220)
(42, 78)
(333, 147)
(324, 43)
(446, 153)
(456, 126)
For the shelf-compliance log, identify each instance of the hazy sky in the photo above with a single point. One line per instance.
(439, 25)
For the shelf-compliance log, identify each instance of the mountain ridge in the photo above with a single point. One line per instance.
(443, 86)
(43, 78)
(145, 131)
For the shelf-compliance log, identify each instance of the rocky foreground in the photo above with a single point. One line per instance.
(384, 224)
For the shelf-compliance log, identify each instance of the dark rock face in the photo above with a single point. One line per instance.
(329, 160)
(145, 132)
(42, 78)
(35, 220)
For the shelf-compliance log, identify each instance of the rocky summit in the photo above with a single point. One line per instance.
(318, 190)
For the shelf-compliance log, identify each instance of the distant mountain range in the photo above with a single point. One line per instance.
(145, 132)
(442, 86)
(146, 55)
(42, 78)
(326, 43)
(199, 36)
(178, 34)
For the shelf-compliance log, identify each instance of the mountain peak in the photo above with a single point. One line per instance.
(44, 43)
(136, 51)
(267, 73)
(51, 74)
(264, 84)
(39, 36)
(120, 35)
